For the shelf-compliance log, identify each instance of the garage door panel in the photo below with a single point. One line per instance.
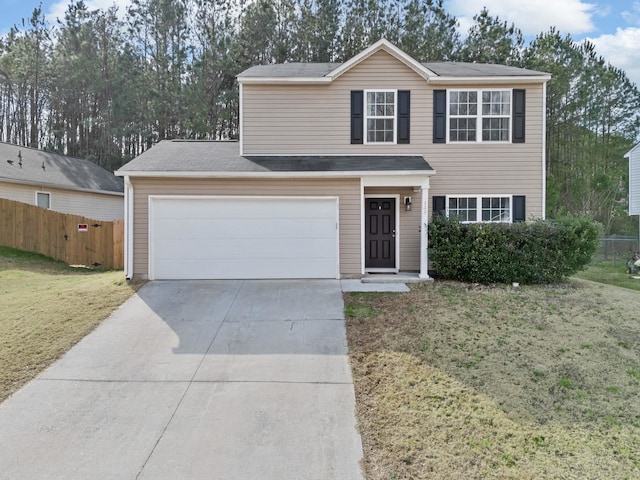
(246, 208)
(311, 269)
(241, 228)
(243, 249)
(243, 237)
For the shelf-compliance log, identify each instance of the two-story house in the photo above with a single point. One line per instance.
(338, 168)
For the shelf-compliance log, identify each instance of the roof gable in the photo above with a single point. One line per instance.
(386, 46)
(36, 167)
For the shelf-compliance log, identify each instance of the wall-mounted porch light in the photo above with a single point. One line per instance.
(407, 204)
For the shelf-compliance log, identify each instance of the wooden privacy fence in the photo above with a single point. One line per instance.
(62, 236)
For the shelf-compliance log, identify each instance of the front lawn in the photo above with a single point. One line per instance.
(611, 273)
(465, 381)
(45, 308)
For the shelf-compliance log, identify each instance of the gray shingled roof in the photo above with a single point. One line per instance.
(290, 70)
(444, 69)
(59, 170)
(219, 157)
(463, 69)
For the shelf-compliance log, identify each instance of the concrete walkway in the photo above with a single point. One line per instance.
(196, 380)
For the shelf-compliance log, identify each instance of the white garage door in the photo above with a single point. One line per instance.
(196, 237)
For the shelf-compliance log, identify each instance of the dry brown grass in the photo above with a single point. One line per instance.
(46, 307)
(458, 381)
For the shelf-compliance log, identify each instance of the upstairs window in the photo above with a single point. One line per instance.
(479, 115)
(463, 115)
(496, 116)
(380, 116)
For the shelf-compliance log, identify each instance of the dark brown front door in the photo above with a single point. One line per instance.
(380, 233)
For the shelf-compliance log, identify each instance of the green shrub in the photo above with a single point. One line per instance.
(534, 252)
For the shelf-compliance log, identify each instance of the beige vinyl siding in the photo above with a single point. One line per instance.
(409, 234)
(492, 168)
(91, 205)
(347, 190)
(315, 120)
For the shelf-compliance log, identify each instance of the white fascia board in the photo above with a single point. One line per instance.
(62, 187)
(628, 154)
(391, 180)
(489, 80)
(382, 44)
(345, 174)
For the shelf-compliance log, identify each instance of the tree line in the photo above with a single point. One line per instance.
(106, 87)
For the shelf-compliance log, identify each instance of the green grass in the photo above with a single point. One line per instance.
(45, 308)
(456, 380)
(610, 273)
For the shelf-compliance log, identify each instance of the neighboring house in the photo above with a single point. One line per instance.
(634, 179)
(60, 183)
(338, 169)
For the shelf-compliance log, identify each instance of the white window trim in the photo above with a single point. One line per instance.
(479, 115)
(395, 115)
(479, 198)
(45, 193)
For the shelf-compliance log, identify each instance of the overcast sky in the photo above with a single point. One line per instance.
(612, 25)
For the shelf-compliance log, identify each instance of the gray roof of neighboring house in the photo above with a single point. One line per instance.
(59, 171)
(443, 69)
(290, 70)
(218, 157)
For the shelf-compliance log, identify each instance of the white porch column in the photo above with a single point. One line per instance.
(424, 232)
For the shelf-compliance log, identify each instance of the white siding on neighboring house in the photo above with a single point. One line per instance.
(634, 180)
(96, 206)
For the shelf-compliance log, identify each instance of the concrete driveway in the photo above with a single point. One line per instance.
(196, 380)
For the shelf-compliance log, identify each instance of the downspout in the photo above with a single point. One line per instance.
(128, 228)
(544, 150)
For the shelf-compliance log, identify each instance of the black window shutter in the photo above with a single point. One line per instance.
(519, 208)
(404, 111)
(439, 206)
(439, 116)
(357, 107)
(517, 135)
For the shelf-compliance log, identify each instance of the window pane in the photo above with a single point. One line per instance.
(463, 208)
(496, 209)
(380, 116)
(462, 129)
(495, 129)
(43, 200)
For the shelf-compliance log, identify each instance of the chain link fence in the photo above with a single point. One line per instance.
(616, 248)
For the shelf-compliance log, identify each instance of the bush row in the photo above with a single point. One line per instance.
(539, 251)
